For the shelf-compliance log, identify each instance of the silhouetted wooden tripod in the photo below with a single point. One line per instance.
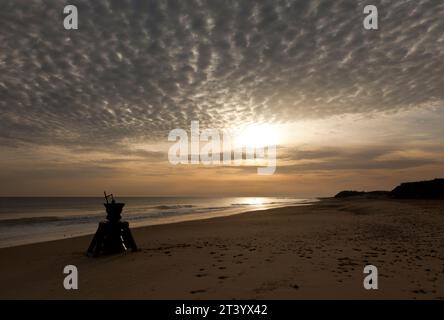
(113, 235)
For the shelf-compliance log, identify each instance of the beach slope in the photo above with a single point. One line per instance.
(316, 251)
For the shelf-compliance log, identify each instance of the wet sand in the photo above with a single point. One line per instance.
(316, 251)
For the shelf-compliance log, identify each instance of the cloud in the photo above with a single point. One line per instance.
(303, 160)
(137, 69)
(358, 158)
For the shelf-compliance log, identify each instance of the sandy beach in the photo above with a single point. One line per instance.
(316, 251)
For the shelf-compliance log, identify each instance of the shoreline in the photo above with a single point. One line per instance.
(294, 252)
(71, 231)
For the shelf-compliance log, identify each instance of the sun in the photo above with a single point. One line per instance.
(257, 136)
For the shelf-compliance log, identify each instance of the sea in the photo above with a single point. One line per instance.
(26, 220)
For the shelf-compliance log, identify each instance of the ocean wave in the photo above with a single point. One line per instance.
(255, 204)
(205, 209)
(32, 220)
(178, 206)
(138, 213)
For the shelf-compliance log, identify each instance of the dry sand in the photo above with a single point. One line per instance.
(316, 251)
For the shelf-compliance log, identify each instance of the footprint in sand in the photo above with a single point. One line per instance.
(419, 291)
(222, 277)
(198, 291)
(200, 275)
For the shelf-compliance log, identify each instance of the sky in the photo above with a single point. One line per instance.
(91, 109)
